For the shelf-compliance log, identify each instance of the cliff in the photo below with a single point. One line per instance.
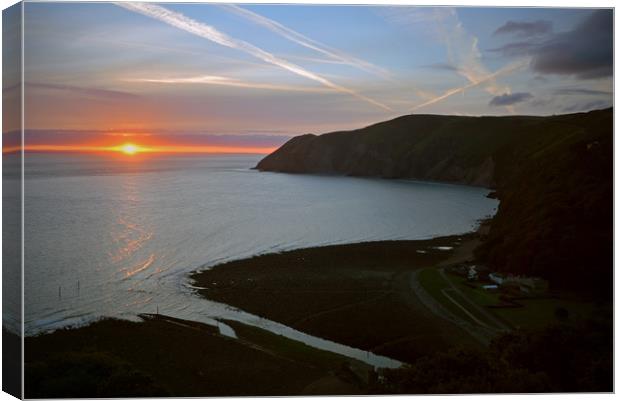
(426, 147)
(553, 176)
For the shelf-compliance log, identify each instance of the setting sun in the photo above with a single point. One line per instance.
(129, 149)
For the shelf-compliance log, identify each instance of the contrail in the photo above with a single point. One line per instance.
(210, 33)
(307, 42)
(225, 81)
(461, 89)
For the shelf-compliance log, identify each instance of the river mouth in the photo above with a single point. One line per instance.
(347, 299)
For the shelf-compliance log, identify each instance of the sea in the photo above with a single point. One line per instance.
(117, 235)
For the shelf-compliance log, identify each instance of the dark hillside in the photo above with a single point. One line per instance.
(553, 176)
(555, 218)
(427, 147)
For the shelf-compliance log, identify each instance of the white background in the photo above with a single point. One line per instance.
(484, 3)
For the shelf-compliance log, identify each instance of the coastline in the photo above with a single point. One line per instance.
(354, 294)
(362, 295)
(165, 356)
(360, 281)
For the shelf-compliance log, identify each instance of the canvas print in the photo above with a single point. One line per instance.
(207, 200)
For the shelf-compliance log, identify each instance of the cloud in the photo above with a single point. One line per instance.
(502, 71)
(525, 29)
(462, 50)
(515, 49)
(334, 55)
(178, 138)
(210, 33)
(314, 59)
(510, 99)
(586, 52)
(225, 81)
(90, 92)
(307, 42)
(581, 91)
(442, 66)
(594, 105)
(463, 54)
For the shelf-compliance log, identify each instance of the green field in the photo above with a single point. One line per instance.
(536, 313)
(440, 289)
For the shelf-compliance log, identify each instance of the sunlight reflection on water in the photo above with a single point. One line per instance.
(118, 240)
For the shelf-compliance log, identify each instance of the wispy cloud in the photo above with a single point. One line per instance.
(525, 29)
(505, 70)
(582, 91)
(84, 91)
(515, 49)
(307, 42)
(462, 50)
(509, 99)
(594, 105)
(210, 33)
(315, 59)
(225, 81)
(463, 56)
(441, 66)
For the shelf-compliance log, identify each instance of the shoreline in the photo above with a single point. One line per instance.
(337, 373)
(166, 356)
(321, 283)
(480, 228)
(364, 296)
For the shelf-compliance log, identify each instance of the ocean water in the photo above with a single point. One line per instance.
(117, 235)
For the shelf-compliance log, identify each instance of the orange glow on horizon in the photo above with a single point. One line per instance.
(133, 149)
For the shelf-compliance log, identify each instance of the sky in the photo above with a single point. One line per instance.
(248, 77)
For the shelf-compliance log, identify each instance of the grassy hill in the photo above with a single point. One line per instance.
(553, 176)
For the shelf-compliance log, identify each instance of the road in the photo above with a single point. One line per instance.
(481, 332)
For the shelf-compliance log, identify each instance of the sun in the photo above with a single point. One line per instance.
(129, 149)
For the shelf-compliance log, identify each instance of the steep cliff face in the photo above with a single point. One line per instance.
(553, 176)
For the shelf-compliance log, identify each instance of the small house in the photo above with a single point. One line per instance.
(472, 273)
(497, 278)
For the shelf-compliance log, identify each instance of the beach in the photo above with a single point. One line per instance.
(368, 296)
(353, 294)
(349, 297)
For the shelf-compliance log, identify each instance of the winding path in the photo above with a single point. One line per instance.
(480, 333)
(499, 325)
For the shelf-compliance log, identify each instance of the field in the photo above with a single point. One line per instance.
(391, 298)
(165, 356)
(530, 312)
(357, 294)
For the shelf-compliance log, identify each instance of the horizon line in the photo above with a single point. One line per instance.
(141, 149)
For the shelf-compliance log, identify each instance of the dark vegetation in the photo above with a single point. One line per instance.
(354, 294)
(171, 357)
(555, 218)
(11, 363)
(553, 176)
(359, 294)
(559, 358)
